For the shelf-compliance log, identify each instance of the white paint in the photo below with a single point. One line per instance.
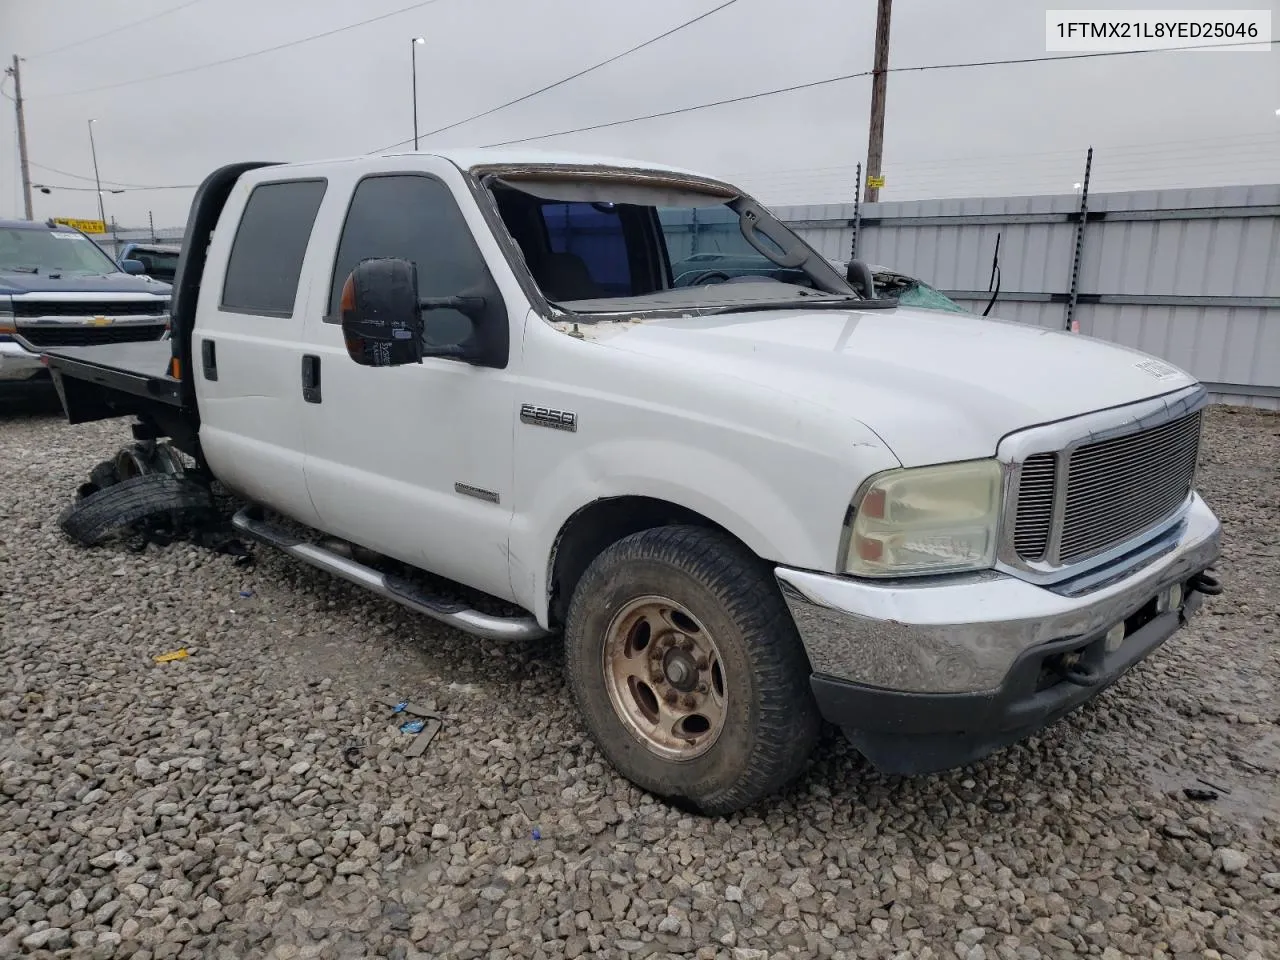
(766, 423)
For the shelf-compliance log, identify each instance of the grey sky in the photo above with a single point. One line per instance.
(1156, 120)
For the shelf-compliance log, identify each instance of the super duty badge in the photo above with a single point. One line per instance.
(546, 417)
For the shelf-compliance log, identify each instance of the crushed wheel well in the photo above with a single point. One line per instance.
(597, 526)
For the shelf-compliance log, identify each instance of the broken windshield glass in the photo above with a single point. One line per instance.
(627, 243)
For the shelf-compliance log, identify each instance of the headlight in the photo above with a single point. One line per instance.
(937, 519)
(6, 316)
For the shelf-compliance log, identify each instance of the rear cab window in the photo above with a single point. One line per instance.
(270, 243)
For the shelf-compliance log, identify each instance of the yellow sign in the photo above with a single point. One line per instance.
(86, 226)
(875, 181)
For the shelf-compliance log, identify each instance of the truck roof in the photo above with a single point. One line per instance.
(466, 158)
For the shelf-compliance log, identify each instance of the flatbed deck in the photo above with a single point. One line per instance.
(140, 369)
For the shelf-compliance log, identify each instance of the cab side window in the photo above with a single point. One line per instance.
(413, 217)
(270, 242)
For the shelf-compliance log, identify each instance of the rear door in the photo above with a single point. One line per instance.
(247, 345)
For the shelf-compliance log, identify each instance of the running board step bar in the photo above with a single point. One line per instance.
(454, 614)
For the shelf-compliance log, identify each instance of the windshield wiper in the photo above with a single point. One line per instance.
(24, 269)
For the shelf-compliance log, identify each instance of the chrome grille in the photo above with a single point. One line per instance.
(1114, 490)
(1035, 505)
(90, 308)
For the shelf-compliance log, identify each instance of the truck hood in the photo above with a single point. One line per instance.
(14, 284)
(934, 386)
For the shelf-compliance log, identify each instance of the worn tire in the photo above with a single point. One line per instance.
(104, 475)
(96, 517)
(771, 721)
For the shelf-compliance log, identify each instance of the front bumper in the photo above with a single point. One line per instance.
(17, 363)
(930, 674)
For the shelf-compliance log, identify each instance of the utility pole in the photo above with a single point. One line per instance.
(879, 80)
(102, 214)
(413, 55)
(22, 136)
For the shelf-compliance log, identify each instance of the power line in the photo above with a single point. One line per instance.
(109, 189)
(671, 113)
(561, 82)
(243, 56)
(114, 183)
(1077, 56)
(852, 76)
(130, 24)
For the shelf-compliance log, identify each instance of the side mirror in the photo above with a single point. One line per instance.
(858, 275)
(133, 266)
(382, 322)
(381, 319)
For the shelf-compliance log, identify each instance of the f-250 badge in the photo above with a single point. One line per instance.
(546, 417)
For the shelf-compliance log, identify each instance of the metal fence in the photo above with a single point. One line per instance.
(1192, 276)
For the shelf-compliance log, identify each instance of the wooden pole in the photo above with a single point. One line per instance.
(879, 81)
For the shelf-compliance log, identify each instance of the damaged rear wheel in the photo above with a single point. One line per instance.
(104, 475)
(152, 497)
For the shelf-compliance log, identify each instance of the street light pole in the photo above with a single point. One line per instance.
(413, 56)
(102, 214)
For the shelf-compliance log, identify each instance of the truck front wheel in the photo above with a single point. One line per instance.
(684, 661)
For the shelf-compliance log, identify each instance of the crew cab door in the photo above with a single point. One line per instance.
(247, 342)
(414, 462)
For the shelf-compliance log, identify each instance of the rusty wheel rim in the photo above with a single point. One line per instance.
(665, 677)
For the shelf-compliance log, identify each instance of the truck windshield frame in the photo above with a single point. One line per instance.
(52, 253)
(598, 242)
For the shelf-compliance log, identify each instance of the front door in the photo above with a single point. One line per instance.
(415, 461)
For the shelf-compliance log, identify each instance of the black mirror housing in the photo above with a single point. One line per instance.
(858, 275)
(381, 316)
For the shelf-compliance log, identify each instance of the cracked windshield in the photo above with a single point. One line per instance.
(604, 248)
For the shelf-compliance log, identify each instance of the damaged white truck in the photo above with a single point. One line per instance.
(749, 503)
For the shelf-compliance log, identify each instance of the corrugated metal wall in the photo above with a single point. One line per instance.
(1189, 275)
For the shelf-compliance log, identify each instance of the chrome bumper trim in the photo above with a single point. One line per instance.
(961, 634)
(18, 363)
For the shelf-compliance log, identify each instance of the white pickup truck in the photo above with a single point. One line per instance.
(749, 504)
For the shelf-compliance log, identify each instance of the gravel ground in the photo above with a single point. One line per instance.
(213, 806)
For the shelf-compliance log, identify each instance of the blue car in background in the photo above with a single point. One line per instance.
(159, 260)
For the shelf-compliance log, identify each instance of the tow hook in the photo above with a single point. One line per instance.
(1081, 674)
(1207, 584)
